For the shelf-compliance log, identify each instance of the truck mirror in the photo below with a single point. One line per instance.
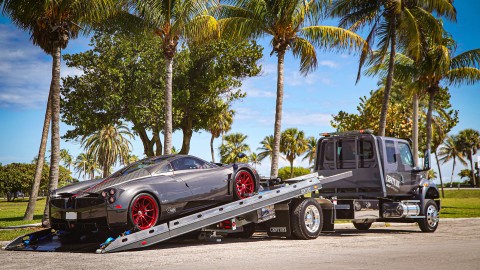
(426, 160)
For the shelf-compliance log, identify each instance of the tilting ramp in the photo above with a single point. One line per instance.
(298, 186)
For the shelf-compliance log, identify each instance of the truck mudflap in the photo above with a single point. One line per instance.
(49, 240)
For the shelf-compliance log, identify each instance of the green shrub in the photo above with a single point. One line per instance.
(284, 172)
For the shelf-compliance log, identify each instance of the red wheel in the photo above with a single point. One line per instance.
(244, 185)
(144, 211)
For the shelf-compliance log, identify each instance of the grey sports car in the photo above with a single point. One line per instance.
(150, 191)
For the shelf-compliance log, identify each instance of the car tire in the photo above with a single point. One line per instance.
(362, 226)
(243, 185)
(144, 212)
(248, 231)
(306, 219)
(430, 222)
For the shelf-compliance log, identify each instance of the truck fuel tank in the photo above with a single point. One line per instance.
(401, 209)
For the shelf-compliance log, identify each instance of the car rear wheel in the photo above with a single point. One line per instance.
(244, 185)
(144, 211)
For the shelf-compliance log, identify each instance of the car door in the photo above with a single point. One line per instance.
(207, 182)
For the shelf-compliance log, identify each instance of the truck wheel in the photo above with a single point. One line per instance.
(430, 222)
(306, 219)
(362, 226)
(248, 231)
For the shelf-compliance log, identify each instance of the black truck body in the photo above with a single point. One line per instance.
(385, 184)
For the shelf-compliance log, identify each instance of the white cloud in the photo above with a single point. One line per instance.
(327, 63)
(306, 119)
(25, 71)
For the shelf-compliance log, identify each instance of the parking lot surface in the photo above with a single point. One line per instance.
(455, 245)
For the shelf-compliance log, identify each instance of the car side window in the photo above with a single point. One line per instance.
(189, 163)
(405, 154)
(390, 147)
(166, 168)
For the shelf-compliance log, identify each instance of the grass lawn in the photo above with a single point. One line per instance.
(460, 204)
(11, 213)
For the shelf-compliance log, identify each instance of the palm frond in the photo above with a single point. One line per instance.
(467, 59)
(463, 75)
(443, 8)
(306, 51)
(331, 37)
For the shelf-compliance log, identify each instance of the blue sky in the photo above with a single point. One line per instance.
(25, 73)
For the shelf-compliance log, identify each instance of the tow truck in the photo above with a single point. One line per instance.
(357, 176)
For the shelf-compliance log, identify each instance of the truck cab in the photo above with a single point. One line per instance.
(384, 177)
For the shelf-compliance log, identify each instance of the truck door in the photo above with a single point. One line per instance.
(393, 178)
(405, 167)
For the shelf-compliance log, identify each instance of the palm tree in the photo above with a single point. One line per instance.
(131, 159)
(254, 160)
(83, 165)
(219, 123)
(293, 144)
(439, 64)
(266, 148)
(469, 140)
(51, 24)
(233, 145)
(292, 24)
(108, 145)
(311, 151)
(172, 21)
(451, 150)
(66, 158)
(392, 21)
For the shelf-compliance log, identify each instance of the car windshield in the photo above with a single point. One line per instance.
(140, 165)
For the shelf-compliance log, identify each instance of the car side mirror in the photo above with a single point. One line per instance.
(426, 160)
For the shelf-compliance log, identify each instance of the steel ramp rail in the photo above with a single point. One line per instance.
(305, 184)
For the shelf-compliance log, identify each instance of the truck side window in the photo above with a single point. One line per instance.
(390, 147)
(405, 154)
(328, 150)
(365, 153)
(346, 154)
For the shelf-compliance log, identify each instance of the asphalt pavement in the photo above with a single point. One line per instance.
(455, 245)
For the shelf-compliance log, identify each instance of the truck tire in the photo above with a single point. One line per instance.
(248, 231)
(430, 222)
(306, 219)
(362, 226)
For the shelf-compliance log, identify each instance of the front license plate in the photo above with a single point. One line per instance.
(71, 215)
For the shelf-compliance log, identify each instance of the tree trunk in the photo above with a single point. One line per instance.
(278, 116)
(474, 181)
(211, 148)
(291, 169)
(187, 137)
(453, 169)
(388, 86)
(55, 139)
(168, 107)
(106, 171)
(40, 161)
(415, 129)
(431, 94)
(158, 142)
(440, 174)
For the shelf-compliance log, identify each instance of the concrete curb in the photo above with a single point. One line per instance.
(34, 225)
